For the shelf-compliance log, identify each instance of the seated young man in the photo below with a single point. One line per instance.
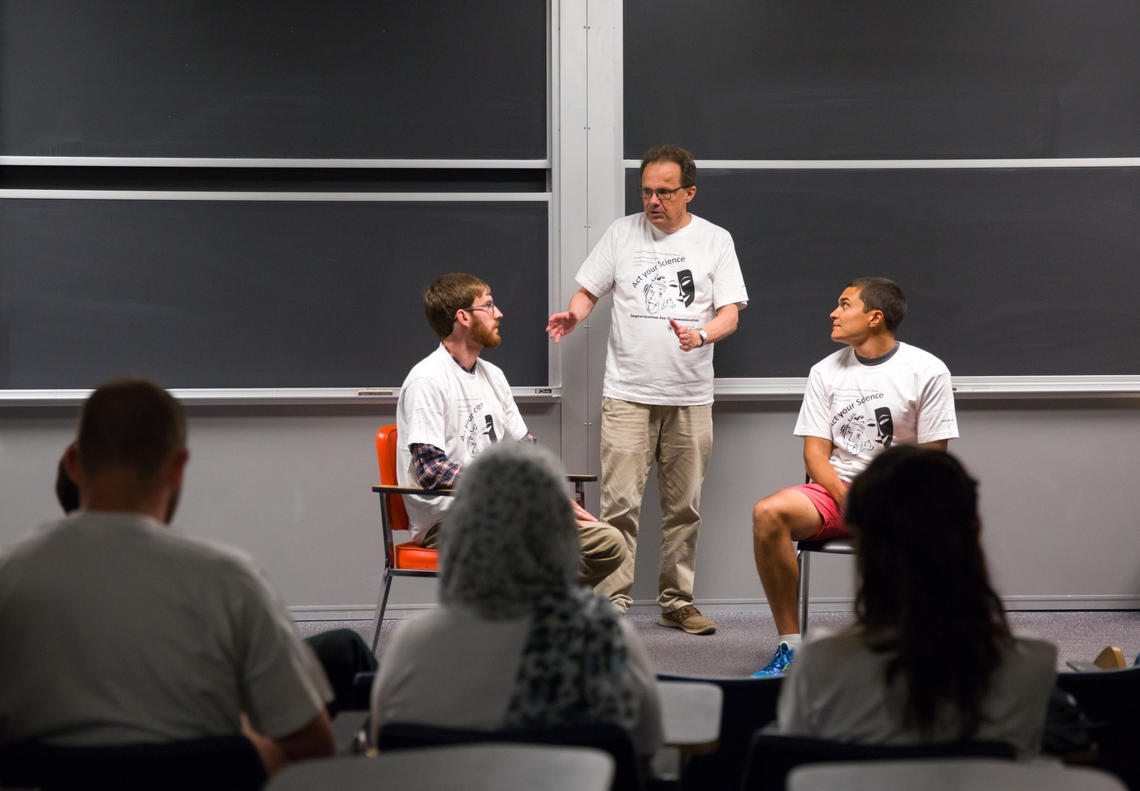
(859, 401)
(453, 405)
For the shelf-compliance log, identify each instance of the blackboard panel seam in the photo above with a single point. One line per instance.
(250, 162)
(330, 197)
(278, 395)
(905, 164)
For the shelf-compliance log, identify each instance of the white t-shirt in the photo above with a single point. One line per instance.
(685, 275)
(116, 629)
(836, 689)
(458, 412)
(864, 409)
(452, 669)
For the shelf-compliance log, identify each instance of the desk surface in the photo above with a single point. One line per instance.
(479, 767)
(950, 775)
(690, 714)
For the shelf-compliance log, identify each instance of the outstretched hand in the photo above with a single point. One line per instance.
(561, 324)
(690, 339)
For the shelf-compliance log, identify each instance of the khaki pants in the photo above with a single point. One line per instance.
(680, 440)
(603, 550)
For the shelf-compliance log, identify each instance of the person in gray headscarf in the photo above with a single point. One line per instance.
(515, 644)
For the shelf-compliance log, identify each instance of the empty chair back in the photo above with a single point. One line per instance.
(220, 763)
(771, 757)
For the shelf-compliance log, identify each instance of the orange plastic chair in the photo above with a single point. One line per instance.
(407, 559)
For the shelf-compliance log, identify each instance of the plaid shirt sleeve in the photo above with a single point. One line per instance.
(433, 470)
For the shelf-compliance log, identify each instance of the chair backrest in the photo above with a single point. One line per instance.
(611, 739)
(386, 444)
(225, 763)
(772, 756)
(748, 704)
(1109, 699)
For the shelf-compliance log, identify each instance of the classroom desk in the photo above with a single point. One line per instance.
(690, 715)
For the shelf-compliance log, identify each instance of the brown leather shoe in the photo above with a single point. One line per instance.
(688, 619)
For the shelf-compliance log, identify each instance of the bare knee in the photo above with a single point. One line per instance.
(770, 521)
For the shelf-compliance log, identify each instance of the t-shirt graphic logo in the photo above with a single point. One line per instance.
(685, 287)
(657, 296)
(489, 432)
(854, 433)
(886, 426)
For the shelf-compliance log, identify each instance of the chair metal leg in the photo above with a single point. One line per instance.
(380, 607)
(804, 562)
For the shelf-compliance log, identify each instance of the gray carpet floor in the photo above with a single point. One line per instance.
(744, 640)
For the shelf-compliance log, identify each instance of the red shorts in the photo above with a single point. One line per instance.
(833, 526)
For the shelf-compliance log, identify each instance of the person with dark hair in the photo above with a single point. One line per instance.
(515, 643)
(873, 393)
(115, 629)
(930, 657)
(677, 290)
(454, 405)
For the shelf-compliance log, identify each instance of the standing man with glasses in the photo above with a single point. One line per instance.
(453, 406)
(677, 290)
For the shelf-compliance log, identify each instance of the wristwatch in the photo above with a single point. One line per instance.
(704, 336)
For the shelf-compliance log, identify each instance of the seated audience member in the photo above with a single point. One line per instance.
(454, 405)
(115, 629)
(930, 657)
(342, 652)
(515, 643)
(873, 393)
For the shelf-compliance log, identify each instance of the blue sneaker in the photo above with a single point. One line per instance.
(779, 663)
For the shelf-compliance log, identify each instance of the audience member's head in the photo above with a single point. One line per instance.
(924, 593)
(510, 537)
(509, 549)
(131, 446)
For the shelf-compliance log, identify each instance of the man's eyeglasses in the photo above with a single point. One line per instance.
(662, 194)
(489, 305)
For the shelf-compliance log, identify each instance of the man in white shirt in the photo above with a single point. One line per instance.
(859, 401)
(453, 405)
(677, 290)
(115, 629)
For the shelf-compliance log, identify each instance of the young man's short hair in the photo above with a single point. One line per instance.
(448, 294)
(879, 293)
(130, 424)
(676, 154)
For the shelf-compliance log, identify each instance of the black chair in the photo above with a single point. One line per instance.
(830, 546)
(771, 756)
(747, 705)
(220, 763)
(629, 774)
(1111, 701)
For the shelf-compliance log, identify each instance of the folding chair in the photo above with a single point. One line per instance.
(833, 546)
(772, 756)
(407, 559)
